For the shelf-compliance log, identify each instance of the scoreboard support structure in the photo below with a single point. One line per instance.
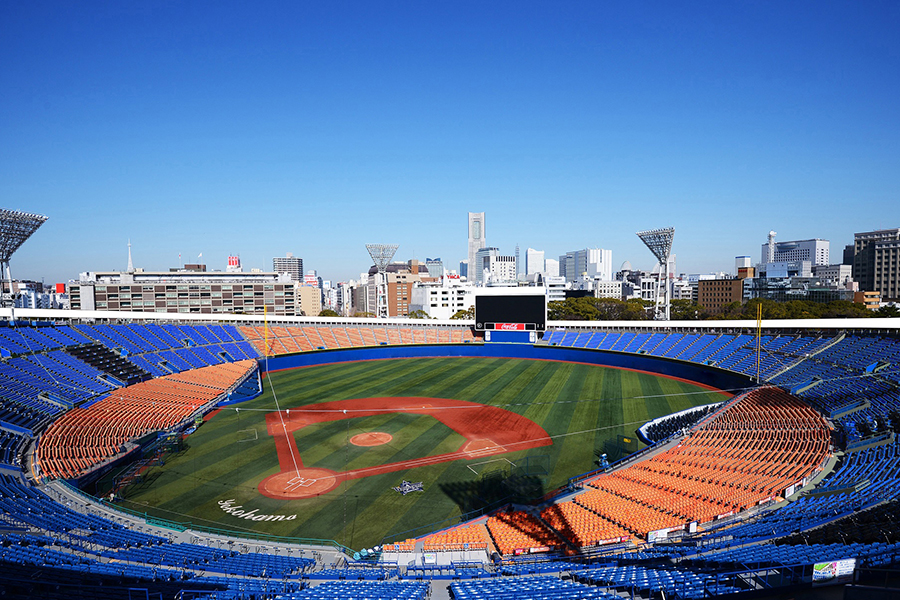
(510, 318)
(496, 336)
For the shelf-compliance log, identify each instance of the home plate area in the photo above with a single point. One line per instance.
(489, 430)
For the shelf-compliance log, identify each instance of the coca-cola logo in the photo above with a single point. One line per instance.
(510, 326)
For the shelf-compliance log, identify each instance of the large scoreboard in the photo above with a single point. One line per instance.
(510, 312)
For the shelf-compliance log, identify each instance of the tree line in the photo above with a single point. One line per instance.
(610, 309)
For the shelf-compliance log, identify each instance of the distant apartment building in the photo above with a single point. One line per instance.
(442, 299)
(309, 300)
(400, 277)
(184, 291)
(837, 275)
(290, 264)
(713, 294)
(876, 262)
(607, 289)
(871, 300)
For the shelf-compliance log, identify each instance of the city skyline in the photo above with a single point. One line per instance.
(258, 131)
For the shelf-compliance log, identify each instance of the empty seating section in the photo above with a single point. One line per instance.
(11, 446)
(518, 530)
(25, 504)
(665, 581)
(84, 437)
(751, 451)
(357, 590)
(536, 588)
(856, 380)
(581, 526)
(729, 351)
(288, 339)
(868, 476)
(798, 554)
(466, 537)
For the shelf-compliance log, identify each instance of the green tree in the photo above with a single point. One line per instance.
(418, 314)
(467, 315)
(889, 311)
(684, 310)
(328, 313)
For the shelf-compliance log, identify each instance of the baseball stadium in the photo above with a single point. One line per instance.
(170, 455)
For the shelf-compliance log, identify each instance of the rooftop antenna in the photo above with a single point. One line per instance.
(659, 241)
(15, 228)
(381, 254)
(130, 264)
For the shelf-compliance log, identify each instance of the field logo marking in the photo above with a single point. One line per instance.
(250, 515)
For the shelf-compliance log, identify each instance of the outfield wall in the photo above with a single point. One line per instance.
(701, 374)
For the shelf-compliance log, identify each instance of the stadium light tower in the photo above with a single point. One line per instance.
(659, 241)
(15, 228)
(382, 255)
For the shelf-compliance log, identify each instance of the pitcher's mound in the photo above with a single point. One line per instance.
(372, 438)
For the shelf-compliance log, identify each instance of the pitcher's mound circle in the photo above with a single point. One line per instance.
(372, 438)
(304, 483)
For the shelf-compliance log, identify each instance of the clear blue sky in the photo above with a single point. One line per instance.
(316, 127)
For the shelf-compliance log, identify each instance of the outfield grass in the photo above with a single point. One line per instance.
(582, 407)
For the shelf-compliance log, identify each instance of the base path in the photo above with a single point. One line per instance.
(488, 430)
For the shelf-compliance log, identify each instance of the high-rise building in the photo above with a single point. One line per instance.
(435, 267)
(476, 241)
(595, 263)
(501, 269)
(534, 261)
(290, 264)
(551, 266)
(876, 262)
(480, 263)
(816, 251)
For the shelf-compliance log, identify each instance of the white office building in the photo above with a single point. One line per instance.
(500, 270)
(534, 261)
(443, 299)
(551, 267)
(595, 263)
(815, 251)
